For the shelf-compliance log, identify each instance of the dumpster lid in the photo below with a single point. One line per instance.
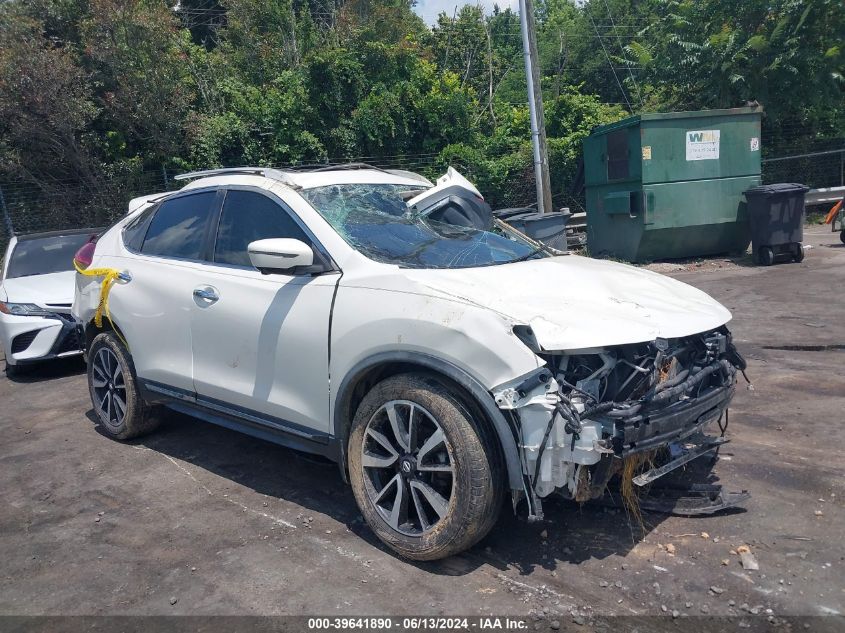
(534, 216)
(777, 188)
(636, 119)
(512, 212)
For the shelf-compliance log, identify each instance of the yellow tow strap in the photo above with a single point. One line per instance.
(110, 276)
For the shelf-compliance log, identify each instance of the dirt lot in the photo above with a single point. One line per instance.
(224, 524)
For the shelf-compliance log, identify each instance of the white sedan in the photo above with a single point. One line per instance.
(372, 317)
(36, 292)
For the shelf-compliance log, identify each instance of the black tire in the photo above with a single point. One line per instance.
(766, 256)
(139, 417)
(477, 484)
(842, 236)
(798, 252)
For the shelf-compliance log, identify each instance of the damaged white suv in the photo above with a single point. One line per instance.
(362, 315)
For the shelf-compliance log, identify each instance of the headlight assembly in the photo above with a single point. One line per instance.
(23, 309)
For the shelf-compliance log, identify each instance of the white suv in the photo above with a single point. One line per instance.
(442, 366)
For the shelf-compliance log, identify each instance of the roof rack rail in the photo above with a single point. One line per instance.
(266, 172)
(307, 166)
(346, 166)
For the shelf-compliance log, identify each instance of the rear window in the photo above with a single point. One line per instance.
(46, 255)
(179, 226)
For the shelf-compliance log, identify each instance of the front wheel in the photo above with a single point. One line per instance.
(123, 414)
(425, 474)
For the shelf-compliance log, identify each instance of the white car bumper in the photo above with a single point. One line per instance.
(28, 339)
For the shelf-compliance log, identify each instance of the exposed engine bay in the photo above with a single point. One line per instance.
(583, 415)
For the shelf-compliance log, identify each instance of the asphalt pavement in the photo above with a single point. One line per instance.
(196, 519)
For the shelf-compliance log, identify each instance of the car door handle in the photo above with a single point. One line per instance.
(207, 294)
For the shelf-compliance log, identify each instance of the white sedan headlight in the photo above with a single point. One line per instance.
(23, 309)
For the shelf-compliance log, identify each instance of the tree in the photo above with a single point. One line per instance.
(788, 55)
(136, 54)
(46, 105)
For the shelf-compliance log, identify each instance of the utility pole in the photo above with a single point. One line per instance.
(535, 106)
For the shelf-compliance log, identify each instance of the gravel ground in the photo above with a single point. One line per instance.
(200, 520)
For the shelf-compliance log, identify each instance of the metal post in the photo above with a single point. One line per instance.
(164, 177)
(535, 106)
(7, 220)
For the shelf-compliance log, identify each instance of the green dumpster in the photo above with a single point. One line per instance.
(663, 186)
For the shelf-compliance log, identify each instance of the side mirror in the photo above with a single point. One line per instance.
(279, 254)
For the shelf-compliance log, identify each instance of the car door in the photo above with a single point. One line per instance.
(260, 342)
(153, 308)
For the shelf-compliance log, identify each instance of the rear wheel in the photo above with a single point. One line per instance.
(425, 475)
(122, 412)
(798, 252)
(766, 256)
(842, 236)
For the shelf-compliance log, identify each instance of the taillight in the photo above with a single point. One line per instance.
(85, 255)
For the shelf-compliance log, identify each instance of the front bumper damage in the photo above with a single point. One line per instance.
(584, 414)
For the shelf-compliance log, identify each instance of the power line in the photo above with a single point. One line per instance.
(615, 76)
(625, 57)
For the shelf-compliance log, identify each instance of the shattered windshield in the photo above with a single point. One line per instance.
(374, 219)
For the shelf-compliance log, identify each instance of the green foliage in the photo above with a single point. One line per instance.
(720, 53)
(258, 126)
(96, 91)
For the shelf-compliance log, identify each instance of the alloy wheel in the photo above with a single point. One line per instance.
(109, 387)
(408, 467)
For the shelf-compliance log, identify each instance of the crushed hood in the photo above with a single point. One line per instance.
(574, 302)
(42, 290)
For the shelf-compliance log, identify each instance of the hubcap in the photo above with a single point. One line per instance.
(109, 387)
(408, 467)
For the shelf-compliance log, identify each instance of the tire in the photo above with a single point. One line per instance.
(842, 236)
(463, 470)
(766, 256)
(109, 388)
(798, 252)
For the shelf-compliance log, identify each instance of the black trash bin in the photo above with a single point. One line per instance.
(776, 218)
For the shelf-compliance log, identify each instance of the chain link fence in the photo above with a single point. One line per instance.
(815, 169)
(100, 200)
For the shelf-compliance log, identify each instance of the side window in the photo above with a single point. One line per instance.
(248, 216)
(133, 233)
(178, 227)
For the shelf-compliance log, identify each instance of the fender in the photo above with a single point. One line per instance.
(481, 396)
